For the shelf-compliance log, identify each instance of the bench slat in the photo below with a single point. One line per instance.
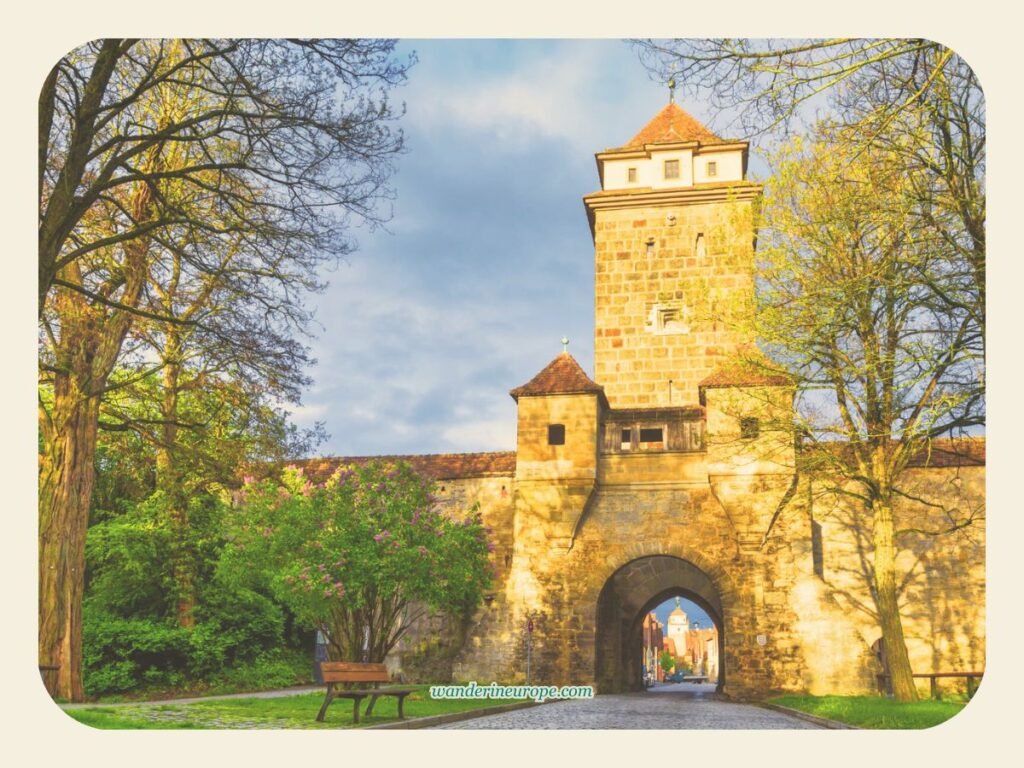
(353, 666)
(354, 677)
(353, 672)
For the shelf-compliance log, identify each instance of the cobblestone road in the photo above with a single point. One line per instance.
(669, 706)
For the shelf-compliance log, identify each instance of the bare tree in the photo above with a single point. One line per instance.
(225, 168)
(846, 302)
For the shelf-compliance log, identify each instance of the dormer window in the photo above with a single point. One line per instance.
(712, 169)
(671, 169)
(631, 175)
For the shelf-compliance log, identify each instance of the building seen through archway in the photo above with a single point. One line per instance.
(680, 644)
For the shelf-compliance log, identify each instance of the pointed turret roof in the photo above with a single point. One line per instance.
(672, 124)
(678, 611)
(562, 376)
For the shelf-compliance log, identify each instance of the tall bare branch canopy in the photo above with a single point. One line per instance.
(189, 192)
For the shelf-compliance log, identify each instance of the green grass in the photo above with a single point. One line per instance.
(286, 712)
(873, 711)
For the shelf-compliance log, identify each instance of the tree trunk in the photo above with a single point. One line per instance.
(90, 342)
(900, 673)
(65, 491)
(169, 481)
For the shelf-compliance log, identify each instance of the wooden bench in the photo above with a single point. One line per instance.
(349, 673)
(972, 677)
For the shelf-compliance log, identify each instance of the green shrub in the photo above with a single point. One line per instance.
(120, 654)
(233, 628)
(112, 677)
(278, 669)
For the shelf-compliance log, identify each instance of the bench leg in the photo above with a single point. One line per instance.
(971, 686)
(401, 712)
(327, 702)
(356, 701)
(935, 688)
(373, 700)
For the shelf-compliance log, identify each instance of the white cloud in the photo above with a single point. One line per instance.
(487, 435)
(549, 96)
(307, 414)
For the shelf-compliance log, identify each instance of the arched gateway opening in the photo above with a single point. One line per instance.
(629, 594)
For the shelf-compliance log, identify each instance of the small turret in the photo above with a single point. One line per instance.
(557, 438)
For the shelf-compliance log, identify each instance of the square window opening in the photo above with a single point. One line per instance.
(626, 442)
(651, 437)
(712, 169)
(631, 175)
(671, 169)
(556, 434)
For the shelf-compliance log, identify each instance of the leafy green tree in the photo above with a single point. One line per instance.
(847, 302)
(361, 556)
(667, 661)
(192, 433)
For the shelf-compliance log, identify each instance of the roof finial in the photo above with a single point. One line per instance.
(672, 88)
(565, 345)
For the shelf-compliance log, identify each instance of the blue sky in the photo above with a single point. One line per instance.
(488, 260)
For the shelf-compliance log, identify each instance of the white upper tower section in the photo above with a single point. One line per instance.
(672, 151)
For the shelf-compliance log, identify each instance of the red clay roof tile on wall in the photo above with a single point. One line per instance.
(436, 466)
(745, 377)
(942, 452)
(562, 376)
(672, 124)
(955, 452)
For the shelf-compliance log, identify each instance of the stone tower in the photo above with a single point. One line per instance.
(673, 241)
(677, 626)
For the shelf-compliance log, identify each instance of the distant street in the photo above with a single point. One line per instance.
(682, 706)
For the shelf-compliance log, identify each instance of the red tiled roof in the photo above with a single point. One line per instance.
(436, 466)
(672, 124)
(962, 452)
(562, 376)
(943, 452)
(737, 375)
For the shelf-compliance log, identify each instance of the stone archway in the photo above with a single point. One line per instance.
(627, 596)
